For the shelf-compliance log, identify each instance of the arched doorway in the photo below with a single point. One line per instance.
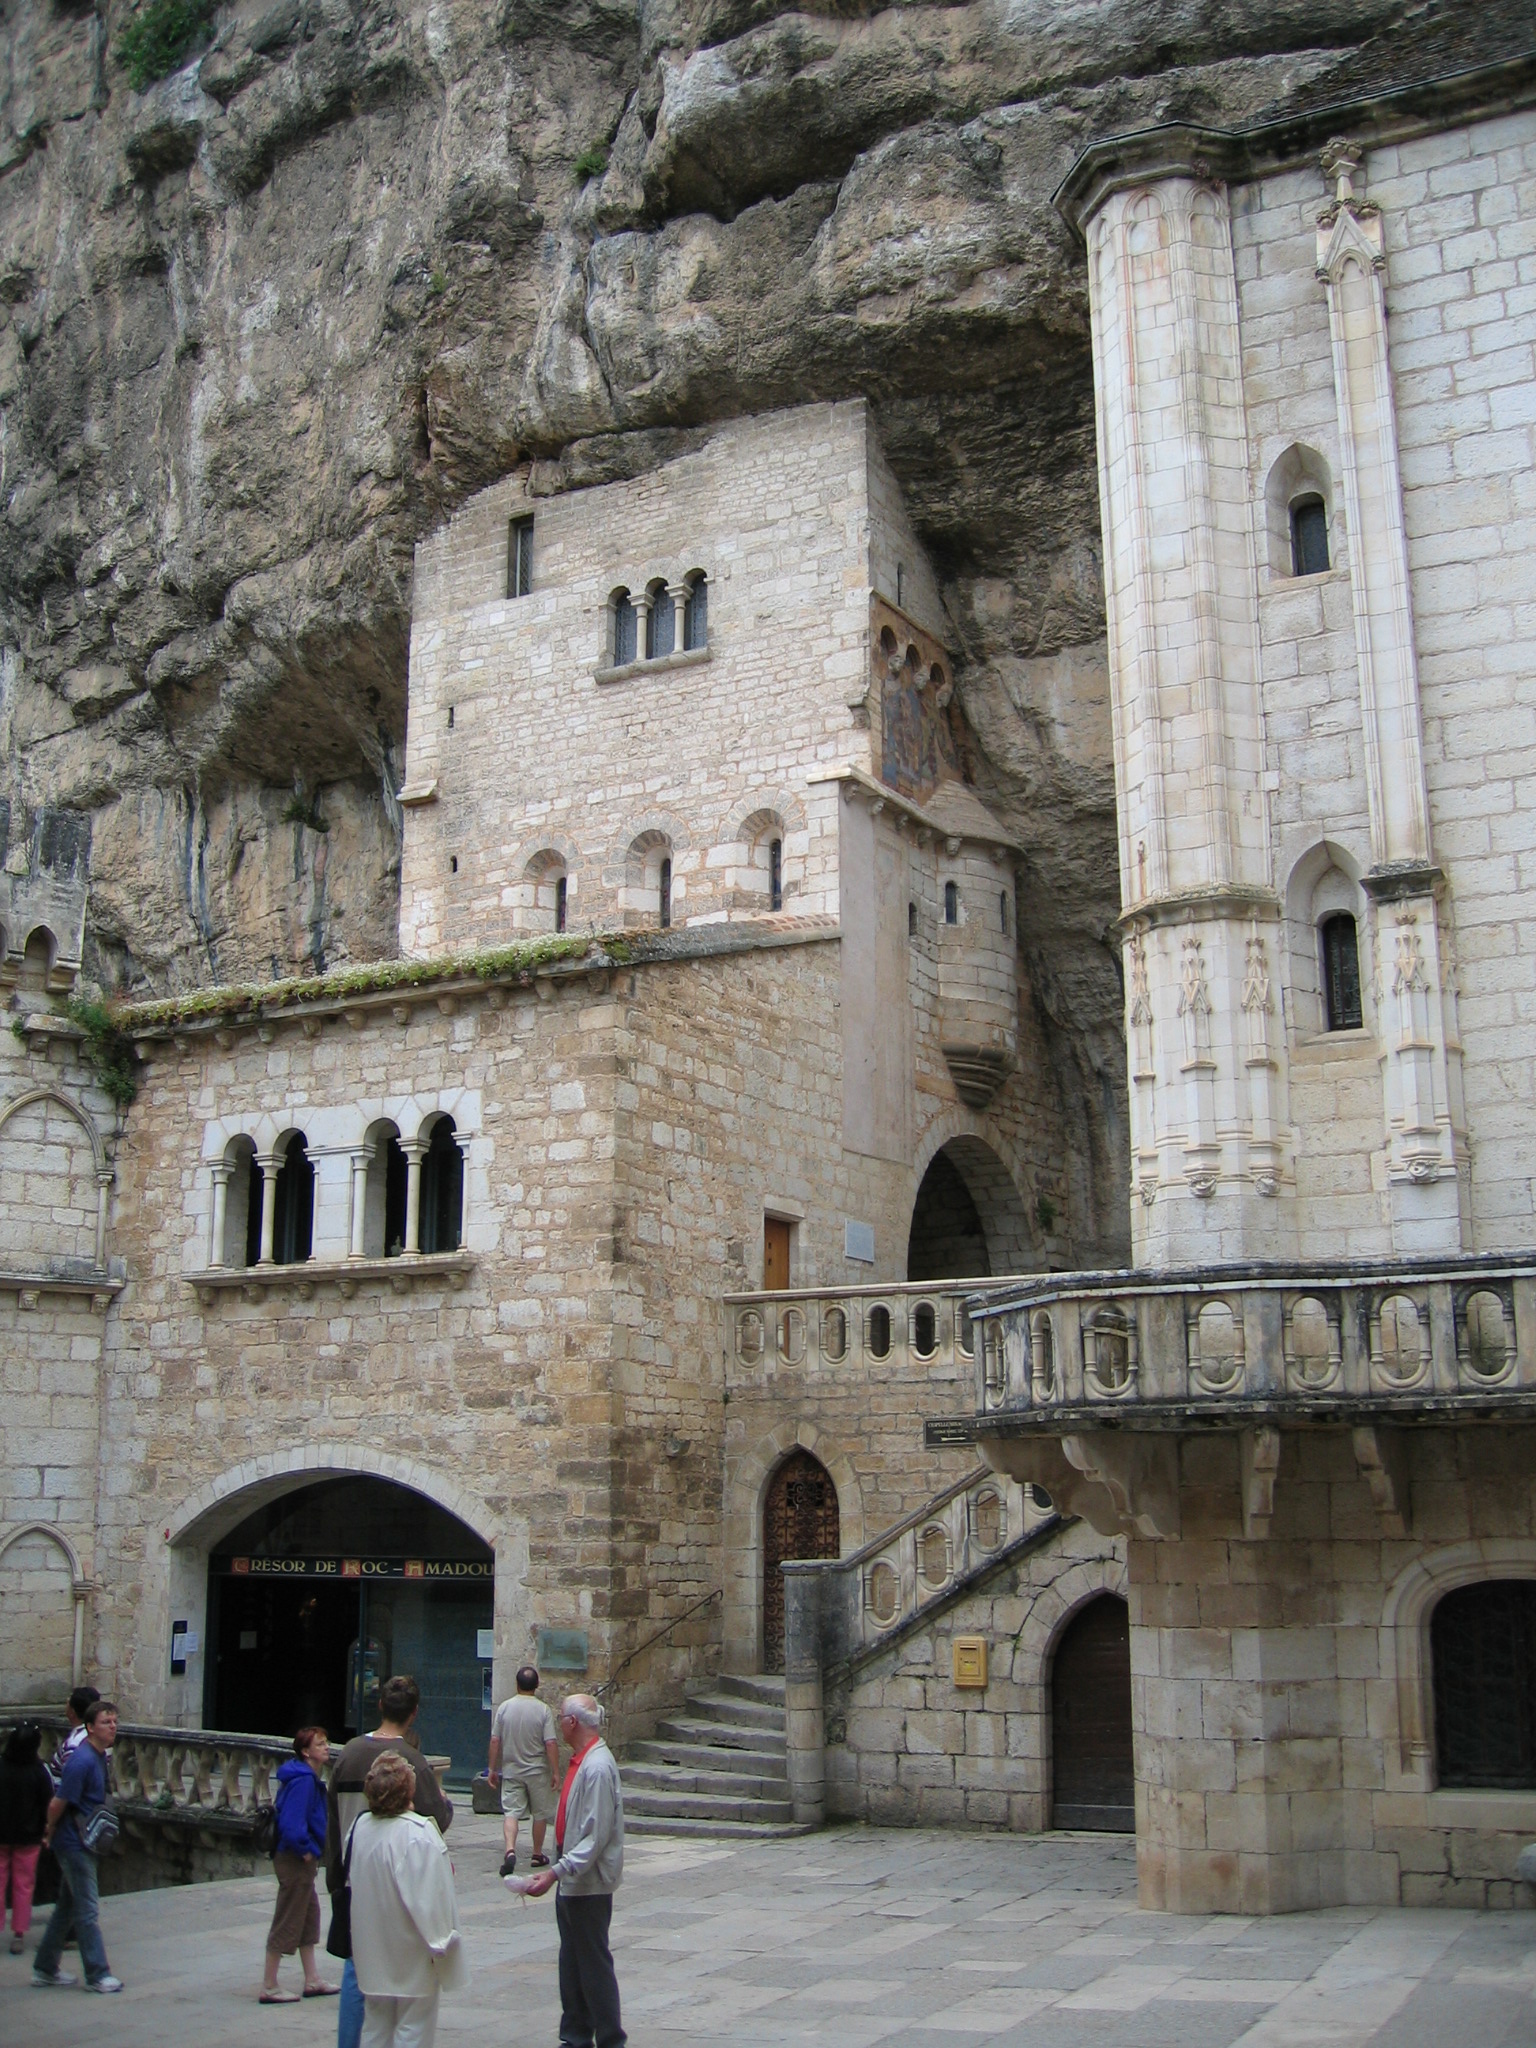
(319, 1595)
(799, 1520)
(1092, 1772)
(968, 1220)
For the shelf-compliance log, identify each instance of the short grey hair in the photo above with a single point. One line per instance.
(582, 1709)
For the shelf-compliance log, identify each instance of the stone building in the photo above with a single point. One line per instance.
(551, 1288)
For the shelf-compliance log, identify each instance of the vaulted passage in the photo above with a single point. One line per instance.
(800, 1519)
(1092, 1779)
(968, 1220)
(319, 1596)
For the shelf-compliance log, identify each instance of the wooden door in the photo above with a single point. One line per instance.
(775, 1254)
(799, 1520)
(1093, 1779)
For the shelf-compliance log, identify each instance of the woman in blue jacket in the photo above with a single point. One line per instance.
(300, 1845)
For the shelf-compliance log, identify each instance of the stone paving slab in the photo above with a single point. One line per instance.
(852, 1938)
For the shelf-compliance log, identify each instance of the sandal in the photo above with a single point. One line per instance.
(541, 1863)
(322, 1991)
(278, 1998)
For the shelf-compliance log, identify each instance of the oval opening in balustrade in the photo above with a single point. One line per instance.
(749, 1337)
(834, 1335)
(1218, 1348)
(883, 1593)
(965, 1334)
(1311, 1352)
(1402, 1340)
(1042, 1354)
(933, 1555)
(792, 1336)
(994, 1369)
(880, 1331)
(925, 1329)
(1488, 1347)
(1111, 1339)
(1042, 1499)
(987, 1519)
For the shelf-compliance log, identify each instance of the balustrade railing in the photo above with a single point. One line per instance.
(1413, 1332)
(868, 1330)
(875, 1591)
(187, 1773)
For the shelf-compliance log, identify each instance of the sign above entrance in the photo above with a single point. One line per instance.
(457, 1568)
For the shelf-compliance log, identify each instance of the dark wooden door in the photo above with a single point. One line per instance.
(775, 1254)
(799, 1520)
(1093, 1780)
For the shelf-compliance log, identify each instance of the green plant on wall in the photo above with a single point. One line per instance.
(591, 163)
(159, 36)
(107, 1048)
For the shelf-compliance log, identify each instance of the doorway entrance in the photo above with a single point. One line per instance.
(1093, 1778)
(800, 1519)
(318, 1597)
(968, 1220)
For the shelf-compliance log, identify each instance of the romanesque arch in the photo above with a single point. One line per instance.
(967, 1205)
(747, 1477)
(42, 1612)
(55, 1183)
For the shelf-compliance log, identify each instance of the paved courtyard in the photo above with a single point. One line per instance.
(851, 1937)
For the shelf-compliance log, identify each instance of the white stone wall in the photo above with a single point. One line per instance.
(543, 757)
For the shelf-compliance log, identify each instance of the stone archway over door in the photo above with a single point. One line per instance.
(800, 1519)
(1092, 1772)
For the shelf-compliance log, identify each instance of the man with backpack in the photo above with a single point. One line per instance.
(78, 1827)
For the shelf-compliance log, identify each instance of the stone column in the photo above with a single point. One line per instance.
(269, 1163)
(414, 1150)
(679, 596)
(103, 1202)
(222, 1173)
(359, 1208)
(805, 1735)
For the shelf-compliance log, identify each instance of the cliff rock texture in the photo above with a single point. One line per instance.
(263, 321)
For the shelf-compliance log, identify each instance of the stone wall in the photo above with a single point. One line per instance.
(906, 1747)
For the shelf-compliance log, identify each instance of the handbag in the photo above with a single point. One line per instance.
(338, 1941)
(99, 1830)
(484, 1797)
(264, 1831)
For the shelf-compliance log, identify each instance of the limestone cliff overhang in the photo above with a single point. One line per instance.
(401, 988)
(1182, 149)
(954, 815)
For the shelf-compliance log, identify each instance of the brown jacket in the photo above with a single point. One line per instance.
(344, 1799)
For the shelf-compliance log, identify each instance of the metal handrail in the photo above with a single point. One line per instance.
(639, 1651)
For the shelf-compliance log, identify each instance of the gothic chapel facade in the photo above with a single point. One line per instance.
(674, 1267)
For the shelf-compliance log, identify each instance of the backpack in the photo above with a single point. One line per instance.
(264, 1830)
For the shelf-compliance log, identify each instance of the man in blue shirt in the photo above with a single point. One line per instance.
(82, 1789)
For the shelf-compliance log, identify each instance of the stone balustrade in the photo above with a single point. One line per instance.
(197, 1773)
(852, 1329)
(1321, 1342)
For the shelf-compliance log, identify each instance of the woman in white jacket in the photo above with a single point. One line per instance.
(406, 1945)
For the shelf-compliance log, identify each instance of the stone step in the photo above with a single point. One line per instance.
(703, 1806)
(671, 1777)
(769, 1690)
(721, 1734)
(711, 1756)
(712, 1830)
(739, 1712)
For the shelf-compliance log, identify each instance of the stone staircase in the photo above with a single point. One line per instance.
(717, 1768)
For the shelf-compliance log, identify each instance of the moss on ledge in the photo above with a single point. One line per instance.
(248, 1001)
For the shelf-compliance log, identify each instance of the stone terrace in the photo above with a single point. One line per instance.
(854, 1936)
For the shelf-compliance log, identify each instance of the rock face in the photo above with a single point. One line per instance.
(262, 322)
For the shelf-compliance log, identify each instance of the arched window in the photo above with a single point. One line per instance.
(625, 622)
(660, 621)
(696, 613)
(544, 894)
(37, 958)
(664, 894)
(384, 1196)
(242, 1205)
(1341, 972)
(1309, 535)
(1482, 1644)
(951, 903)
(775, 874)
(442, 1190)
(293, 1222)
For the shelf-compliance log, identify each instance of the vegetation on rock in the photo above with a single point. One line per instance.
(159, 37)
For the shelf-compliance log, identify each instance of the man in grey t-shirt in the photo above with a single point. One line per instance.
(525, 1761)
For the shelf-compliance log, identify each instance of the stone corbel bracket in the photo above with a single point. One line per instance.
(1381, 1458)
(1120, 1483)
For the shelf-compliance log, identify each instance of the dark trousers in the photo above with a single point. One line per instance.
(589, 1991)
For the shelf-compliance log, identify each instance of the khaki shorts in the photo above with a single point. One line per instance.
(530, 1798)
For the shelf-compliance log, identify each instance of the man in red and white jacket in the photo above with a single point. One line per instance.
(588, 1866)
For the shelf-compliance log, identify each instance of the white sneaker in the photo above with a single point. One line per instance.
(59, 1981)
(106, 1984)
